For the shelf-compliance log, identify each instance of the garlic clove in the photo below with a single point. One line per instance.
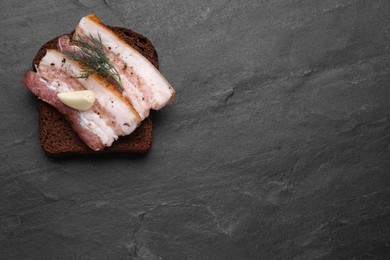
(80, 100)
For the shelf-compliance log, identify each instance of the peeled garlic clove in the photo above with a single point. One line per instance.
(80, 100)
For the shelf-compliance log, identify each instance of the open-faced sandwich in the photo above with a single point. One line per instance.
(103, 81)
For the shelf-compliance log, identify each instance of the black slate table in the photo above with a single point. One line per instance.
(277, 145)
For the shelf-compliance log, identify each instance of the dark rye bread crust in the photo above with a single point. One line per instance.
(56, 135)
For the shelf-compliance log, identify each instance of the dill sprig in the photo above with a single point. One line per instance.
(93, 58)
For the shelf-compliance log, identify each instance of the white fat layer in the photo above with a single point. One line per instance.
(93, 122)
(123, 116)
(59, 61)
(54, 84)
(47, 84)
(159, 86)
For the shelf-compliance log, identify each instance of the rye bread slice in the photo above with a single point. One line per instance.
(57, 136)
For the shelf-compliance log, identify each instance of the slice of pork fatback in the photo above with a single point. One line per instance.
(110, 105)
(144, 85)
(86, 124)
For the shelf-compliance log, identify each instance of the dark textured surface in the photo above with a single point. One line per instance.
(277, 146)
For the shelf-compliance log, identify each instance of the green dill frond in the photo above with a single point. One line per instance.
(93, 58)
